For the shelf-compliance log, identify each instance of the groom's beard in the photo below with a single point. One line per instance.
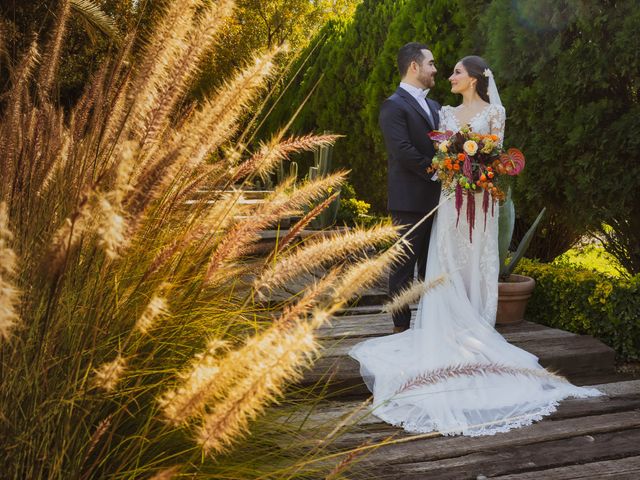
(427, 81)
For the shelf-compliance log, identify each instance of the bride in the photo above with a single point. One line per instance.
(452, 372)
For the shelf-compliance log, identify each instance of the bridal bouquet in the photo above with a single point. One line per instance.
(467, 162)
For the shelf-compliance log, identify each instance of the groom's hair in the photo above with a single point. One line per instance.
(411, 52)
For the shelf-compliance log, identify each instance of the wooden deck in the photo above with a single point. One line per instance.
(586, 438)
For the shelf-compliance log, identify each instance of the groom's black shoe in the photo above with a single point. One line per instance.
(399, 329)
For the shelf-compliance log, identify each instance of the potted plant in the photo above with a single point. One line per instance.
(514, 290)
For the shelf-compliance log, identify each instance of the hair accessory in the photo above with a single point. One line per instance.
(487, 73)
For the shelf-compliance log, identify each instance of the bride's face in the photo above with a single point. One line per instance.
(460, 79)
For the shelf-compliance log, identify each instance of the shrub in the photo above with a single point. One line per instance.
(136, 337)
(587, 302)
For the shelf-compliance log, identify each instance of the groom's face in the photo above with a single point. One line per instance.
(426, 70)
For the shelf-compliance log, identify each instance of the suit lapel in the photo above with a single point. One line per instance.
(407, 97)
(435, 113)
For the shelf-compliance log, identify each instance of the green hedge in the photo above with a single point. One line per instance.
(587, 302)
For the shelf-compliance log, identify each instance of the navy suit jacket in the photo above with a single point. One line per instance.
(405, 126)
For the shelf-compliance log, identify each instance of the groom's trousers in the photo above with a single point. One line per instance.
(402, 274)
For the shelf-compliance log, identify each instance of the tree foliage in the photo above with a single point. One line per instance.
(259, 25)
(567, 74)
(354, 64)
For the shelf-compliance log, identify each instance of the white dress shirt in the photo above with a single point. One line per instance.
(420, 95)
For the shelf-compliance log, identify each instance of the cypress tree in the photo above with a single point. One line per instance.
(568, 74)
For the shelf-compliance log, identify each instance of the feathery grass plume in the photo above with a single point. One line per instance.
(346, 462)
(276, 150)
(281, 203)
(51, 58)
(186, 53)
(278, 359)
(107, 375)
(157, 308)
(366, 273)
(9, 295)
(68, 235)
(196, 386)
(218, 118)
(111, 228)
(321, 252)
(58, 164)
(166, 473)
(92, 13)
(412, 294)
(301, 224)
(164, 48)
(432, 377)
(11, 130)
(103, 427)
(209, 378)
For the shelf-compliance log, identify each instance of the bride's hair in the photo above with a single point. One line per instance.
(475, 67)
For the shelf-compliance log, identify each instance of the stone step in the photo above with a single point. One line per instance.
(580, 358)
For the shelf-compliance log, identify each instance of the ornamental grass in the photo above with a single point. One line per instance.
(141, 336)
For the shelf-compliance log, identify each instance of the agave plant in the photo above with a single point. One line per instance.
(506, 223)
(139, 332)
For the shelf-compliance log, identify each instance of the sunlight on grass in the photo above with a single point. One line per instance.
(593, 257)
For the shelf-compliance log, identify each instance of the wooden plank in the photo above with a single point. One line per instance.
(581, 448)
(439, 448)
(377, 325)
(620, 396)
(527, 339)
(621, 469)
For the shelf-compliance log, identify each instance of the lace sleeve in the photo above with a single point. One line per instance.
(496, 121)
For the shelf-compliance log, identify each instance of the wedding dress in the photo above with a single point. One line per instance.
(452, 372)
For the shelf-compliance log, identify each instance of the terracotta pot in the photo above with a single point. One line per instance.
(513, 296)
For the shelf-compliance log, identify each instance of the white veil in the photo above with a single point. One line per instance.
(494, 96)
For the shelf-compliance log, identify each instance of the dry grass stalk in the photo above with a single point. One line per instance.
(442, 374)
(364, 274)
(157, 308)
(280, 204)
(209, 378)
(412, 294)
(346, 462)
(9, 294)
(107, 375)
(218, 118)
(278, 359)
(197, 385)
(301, 224)
(323, 252)
(185, 52)
(51, 58)
(111, 228)
(103, 427)
(166, 473)
(276, 150)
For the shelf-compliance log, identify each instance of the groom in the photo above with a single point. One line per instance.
(405, 119)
